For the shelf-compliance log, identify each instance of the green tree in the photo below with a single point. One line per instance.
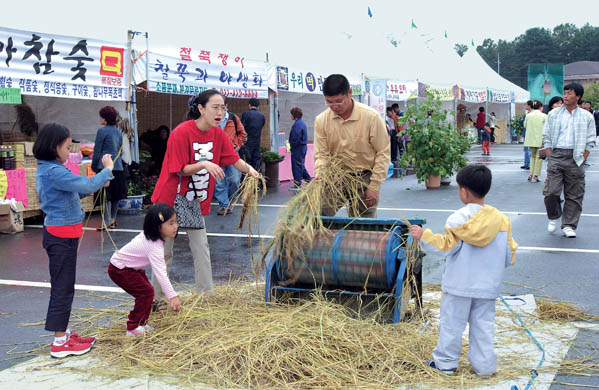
(591, 93)
(461, 49)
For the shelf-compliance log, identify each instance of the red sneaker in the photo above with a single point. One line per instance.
(70, 347)
(83, 340)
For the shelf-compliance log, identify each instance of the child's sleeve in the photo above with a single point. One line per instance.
(67, 181)
(443, 244)
(156, 258)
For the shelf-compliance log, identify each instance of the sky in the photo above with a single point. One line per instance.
(253, 28)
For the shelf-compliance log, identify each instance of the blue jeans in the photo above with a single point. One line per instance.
(526, 156)
(224, 189)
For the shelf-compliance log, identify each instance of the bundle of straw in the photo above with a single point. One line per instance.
(301, 220)
(250, 191)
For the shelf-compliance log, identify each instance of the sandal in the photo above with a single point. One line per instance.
(112, 225)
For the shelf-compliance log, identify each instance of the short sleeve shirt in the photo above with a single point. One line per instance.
(188, 145)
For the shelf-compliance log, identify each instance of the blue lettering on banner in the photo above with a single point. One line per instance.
(310, 82)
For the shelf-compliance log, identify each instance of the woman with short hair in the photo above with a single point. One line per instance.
(298, 140)
(109, 140)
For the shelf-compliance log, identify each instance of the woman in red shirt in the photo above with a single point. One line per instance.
(199, 147)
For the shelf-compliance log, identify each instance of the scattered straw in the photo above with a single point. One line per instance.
(562, 311)
(236, 340)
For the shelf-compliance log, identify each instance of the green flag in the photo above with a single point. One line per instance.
(473, 43)
(445, 34)
(414, 24)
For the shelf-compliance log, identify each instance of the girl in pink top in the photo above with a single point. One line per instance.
(126, 268)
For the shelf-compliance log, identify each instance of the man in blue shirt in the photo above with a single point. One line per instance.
(253, 121)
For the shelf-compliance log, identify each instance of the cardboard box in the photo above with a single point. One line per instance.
(10, 221)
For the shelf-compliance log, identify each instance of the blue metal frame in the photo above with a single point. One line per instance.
(274, 274)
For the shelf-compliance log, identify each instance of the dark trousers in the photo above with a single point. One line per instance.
(480, 134)
(254, 158)
(62, 255)
(135, 283)
(564, 174)
(394, 146)
(298, 167)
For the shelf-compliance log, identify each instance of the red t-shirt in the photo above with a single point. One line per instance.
(186, 145)
(480, 120)
(66, 231)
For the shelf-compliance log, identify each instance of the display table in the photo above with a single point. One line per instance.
(21, 185)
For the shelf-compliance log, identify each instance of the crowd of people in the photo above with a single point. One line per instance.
(202, 159)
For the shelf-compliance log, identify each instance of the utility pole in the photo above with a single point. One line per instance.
(498, 63)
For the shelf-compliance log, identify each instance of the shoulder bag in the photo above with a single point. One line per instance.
(189, 212)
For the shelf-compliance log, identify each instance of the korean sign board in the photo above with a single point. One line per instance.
(191, 73)
(496, 96)
(60, 66)
(401, 91)
(472, 95)
(443, 93)
(378, 98)
(295, 80)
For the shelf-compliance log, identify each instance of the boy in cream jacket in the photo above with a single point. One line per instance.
(477, 246)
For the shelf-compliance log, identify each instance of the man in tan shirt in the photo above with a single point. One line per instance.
(354, 131)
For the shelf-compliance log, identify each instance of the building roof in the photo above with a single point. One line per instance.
(581, 68)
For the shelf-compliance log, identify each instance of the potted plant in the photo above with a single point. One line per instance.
(435, 149)
(516, 126)
(135, 197)
(271, 162)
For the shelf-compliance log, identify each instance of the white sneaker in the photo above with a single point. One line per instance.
(139, 331)
(552, 225)
(569, 232)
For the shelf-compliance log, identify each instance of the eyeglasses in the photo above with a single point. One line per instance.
(336, 103)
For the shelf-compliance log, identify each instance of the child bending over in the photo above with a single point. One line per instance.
(126, 268)
(478, 246)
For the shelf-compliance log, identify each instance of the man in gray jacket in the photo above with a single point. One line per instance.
(568, 137)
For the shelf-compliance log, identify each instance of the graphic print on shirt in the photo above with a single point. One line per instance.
(198, 183)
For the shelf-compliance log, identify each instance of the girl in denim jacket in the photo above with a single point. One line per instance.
(59, 191)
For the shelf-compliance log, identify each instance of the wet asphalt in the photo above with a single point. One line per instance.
(542, 269)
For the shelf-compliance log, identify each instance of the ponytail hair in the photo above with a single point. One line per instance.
(155, 217)
(199, 100)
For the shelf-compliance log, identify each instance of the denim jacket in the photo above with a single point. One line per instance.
(59, 191)
(109, 140)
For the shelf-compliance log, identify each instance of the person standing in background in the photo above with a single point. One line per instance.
(253, 121)
(109, 140)
(225, 189)
(527, 109)
(298, 140)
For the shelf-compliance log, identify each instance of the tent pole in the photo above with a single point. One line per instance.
(131, 107)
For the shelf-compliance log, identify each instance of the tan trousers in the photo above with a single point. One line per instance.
(198, 243)
(535, 162)
(331, 206)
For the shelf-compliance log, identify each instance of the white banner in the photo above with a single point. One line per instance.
(236, 79)
(378, 98)
(400, 91)
(55, 65)
(500, 96)
(295, 80)
(473, 95)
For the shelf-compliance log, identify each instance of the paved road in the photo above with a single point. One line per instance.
(548, 265)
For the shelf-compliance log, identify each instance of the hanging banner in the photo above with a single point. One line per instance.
(500, 96)
(443, 93)
(399, 91)
(473, 95)
(378, 96)
(60, 66)
(247, 79)
(296, 80)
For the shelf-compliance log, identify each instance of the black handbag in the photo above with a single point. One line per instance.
(189, 212)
